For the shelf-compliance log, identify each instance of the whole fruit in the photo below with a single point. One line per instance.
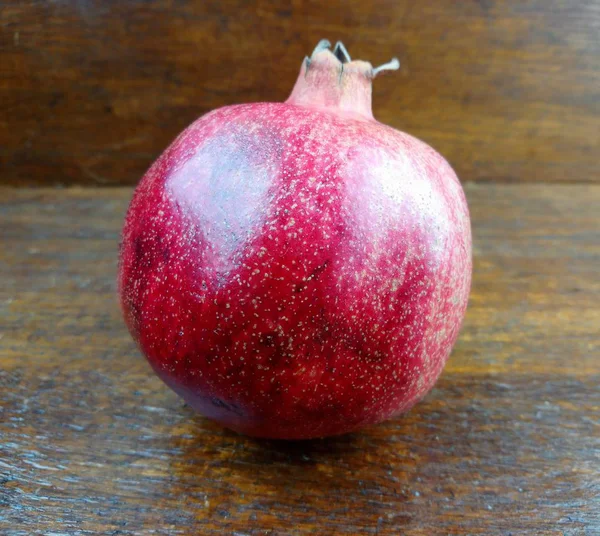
(298, 269)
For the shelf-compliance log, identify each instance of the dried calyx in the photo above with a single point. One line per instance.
(342, 55)
(331, 80)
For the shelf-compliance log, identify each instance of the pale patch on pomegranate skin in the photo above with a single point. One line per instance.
(295, 271)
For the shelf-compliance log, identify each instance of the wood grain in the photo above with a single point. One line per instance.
(92, 92)
(507, 443)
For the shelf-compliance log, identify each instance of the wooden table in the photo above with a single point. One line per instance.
(91, 442)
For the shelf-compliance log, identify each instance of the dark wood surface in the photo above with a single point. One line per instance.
(508, 442)
(92, 92)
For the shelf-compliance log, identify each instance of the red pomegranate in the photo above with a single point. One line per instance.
(298, 269)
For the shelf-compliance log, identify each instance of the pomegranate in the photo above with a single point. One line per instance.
(298, 269)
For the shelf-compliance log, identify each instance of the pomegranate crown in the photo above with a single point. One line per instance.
(341, 54)
(331, 80)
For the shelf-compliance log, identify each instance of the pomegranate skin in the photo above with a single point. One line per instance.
(296, 271)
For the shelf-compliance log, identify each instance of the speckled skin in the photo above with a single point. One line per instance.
(297, 269)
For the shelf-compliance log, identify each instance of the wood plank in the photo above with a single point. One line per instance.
(92, 92)
(508, 442)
